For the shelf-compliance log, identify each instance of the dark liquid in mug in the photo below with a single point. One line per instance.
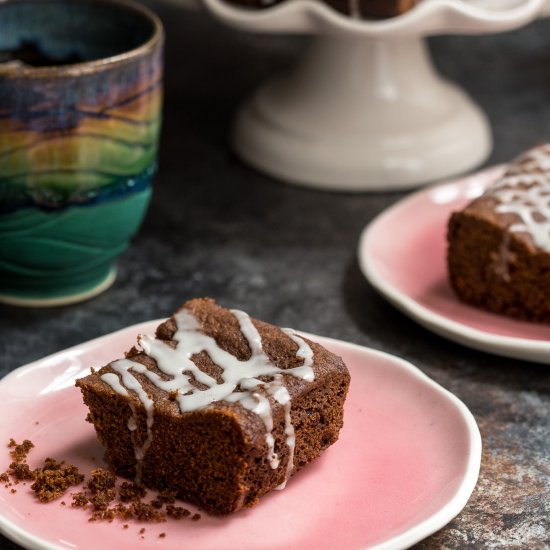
(30, 54)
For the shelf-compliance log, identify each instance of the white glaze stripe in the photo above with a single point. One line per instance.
(533, 208)
(532, 203)
(130, 382)
(304, 352)
(281, 395)
(112, 379)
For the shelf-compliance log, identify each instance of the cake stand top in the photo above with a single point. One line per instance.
(427, 18)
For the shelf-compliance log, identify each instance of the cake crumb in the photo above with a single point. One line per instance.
(166, 496)
(21, 471)
(145, 512)
(101, 500)
(13, 491)
(80, 500)
(107, 514)
(177, 512)
(162, 535)
(122, 511)
(101, 495)
(131, 491)
(101, 480)
(54, 478)
(19, 452)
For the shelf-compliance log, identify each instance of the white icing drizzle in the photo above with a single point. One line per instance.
(240, 382)
(533, 208)
(280, 393)
(304, 352)
(531, 203)
(129, 382)
(113, 381)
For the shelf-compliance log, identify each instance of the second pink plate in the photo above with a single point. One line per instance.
(406, 463)
(403, 255)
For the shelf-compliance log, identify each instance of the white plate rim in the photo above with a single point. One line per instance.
(401, 541)
(506, 346)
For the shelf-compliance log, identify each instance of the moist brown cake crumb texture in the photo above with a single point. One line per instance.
(216, 457)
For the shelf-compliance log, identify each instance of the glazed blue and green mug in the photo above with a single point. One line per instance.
(80, 114)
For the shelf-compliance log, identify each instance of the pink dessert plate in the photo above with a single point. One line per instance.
(402, 253)
(406, 463)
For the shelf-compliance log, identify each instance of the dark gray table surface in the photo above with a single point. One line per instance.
(287, 255)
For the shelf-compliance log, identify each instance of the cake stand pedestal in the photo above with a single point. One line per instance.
(364, 110)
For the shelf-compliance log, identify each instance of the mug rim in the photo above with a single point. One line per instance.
(95, 65)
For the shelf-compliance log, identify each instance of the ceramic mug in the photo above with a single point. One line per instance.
(80, 114)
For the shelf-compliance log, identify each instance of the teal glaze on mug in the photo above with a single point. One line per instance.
(79, 125)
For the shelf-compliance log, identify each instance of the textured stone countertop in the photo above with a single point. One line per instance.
(287, 255)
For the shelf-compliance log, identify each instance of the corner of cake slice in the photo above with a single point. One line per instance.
(499, 245)
(218, 407)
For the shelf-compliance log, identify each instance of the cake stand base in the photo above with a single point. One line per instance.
(362, 114)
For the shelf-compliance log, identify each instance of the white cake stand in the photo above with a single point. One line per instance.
(365, 110)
